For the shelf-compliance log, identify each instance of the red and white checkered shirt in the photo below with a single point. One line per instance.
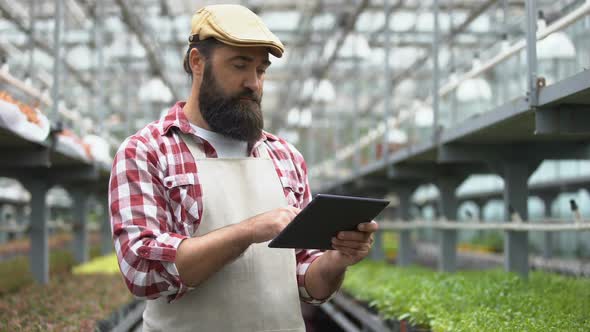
(152, 210)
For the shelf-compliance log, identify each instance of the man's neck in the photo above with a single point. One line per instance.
(193, 113)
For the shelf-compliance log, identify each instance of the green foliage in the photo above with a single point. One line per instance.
(390, 242)
(494, 240)
(67, 303)
(70, 302)
(103, 265)
(473, 300)
(15, 273)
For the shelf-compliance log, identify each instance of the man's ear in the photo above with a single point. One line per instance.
(196, 62)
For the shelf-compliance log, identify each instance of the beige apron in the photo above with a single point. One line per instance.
(256, 292)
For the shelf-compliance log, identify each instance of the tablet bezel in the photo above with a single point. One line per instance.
(377, 206)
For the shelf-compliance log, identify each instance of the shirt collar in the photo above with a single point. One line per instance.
(177, 119)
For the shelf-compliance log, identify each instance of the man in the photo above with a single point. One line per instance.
(196, 196)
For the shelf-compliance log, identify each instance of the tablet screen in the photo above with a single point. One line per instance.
(324, 217)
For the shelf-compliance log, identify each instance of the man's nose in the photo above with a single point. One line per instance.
(253, 82)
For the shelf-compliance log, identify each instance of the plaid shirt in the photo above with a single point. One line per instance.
(155, 202)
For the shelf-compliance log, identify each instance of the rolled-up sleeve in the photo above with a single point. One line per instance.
(144, 242)
(304, 257)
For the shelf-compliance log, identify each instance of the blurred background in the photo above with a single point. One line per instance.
(384, 98)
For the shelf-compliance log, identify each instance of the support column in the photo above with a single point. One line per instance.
(20, 218)
(405, 248)
(449, 204)
(481, 204)
(57, 66)
(421, 234)
(516, 244)
(377, 252)
(3, 223)
(39, 255)
(548, 239)
(80, 224)
(106, 238)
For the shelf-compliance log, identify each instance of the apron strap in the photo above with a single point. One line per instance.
(196, 149)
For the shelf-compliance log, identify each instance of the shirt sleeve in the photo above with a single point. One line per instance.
(304, 257)
(144, 244)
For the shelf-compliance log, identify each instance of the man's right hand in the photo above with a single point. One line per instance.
(268, 225)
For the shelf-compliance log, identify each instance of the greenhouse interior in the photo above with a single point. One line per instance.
(465, 118)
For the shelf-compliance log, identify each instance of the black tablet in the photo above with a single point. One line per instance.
(324, 217)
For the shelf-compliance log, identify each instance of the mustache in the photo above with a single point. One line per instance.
(250, 95)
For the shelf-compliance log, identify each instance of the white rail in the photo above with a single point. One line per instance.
(36, 94)
(507, 226)
(558, 25)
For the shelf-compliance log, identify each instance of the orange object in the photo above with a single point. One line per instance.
(27, 110)
(69, 133)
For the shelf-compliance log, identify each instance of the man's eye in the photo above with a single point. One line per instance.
(239, 66)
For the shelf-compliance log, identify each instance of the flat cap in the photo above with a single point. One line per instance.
(234, 25)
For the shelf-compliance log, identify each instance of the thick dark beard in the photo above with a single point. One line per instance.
(229, 115)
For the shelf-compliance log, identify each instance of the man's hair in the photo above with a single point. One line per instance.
(205, 47)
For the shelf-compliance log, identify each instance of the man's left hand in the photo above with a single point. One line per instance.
(350, 247)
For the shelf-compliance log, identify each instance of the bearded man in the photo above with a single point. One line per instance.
(196, 196)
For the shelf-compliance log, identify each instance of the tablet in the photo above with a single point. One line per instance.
(324, 217)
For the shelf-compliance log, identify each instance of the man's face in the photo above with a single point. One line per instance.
(231, 91)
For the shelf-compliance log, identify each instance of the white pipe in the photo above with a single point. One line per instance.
(560, 24)
(36, 94)
(508, 226)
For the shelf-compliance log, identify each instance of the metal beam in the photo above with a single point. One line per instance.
(418, 63)
(321, 70)
(369, 320)
(57, 59)
(39, 230)
(516, 244)
(330, 6)
(531, 52)
(42, 45)
(80, 247)
(77, 174)
(563, 119)
(304, 23)
(25, 158)
(449, 204)
(483, 153)
(404, 191)
(135, 24)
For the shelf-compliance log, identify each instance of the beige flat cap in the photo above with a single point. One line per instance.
(234, 25)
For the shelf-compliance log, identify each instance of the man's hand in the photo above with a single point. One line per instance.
(227, 243)
(353, 246)
(268, 225)
(326, 273)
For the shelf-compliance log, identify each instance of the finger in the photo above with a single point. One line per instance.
(351, 244)
(350, 252)
(353, 236)
(295, 210)
(368, 227)
(291, 212)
